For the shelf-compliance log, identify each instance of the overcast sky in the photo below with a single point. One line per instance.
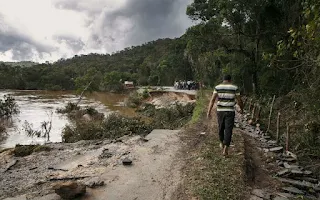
(47, 30)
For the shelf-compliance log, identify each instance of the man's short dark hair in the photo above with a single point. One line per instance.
(227, 78)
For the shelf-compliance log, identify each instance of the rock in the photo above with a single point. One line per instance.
(296, 172)
(266, 137)
(23, 197)
(300, 184)
(105, 154)
(307, 172)
(272, 142)
(288, 166)
(255, 198)
(144, 139)
(280, 198)
(283, 172)
(70, 189)
(9, 165)
(309, 179)
(127, 161)
(49, 197)
(292, 190)
(87, 117)
(276, 149)
(261, 193)
(279, 163)
(287, 195)
(203, 133)
(94, 182)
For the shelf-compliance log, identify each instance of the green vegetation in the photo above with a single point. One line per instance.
(8, 107)
(114, 126)
(25, 150)
(220, 178)
(155, 63)
(200, 107)
(168, 118)
(269, 47)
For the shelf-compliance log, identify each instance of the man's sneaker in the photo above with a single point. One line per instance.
(221, 145)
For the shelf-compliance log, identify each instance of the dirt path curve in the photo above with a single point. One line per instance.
(155, 173)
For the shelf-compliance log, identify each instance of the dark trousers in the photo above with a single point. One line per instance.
(226, 122)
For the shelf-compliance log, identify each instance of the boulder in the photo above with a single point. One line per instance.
(127, 161)
(70, 189)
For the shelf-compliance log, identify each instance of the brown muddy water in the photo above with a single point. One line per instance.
(39, 106)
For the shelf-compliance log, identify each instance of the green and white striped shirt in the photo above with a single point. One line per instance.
(226, 96)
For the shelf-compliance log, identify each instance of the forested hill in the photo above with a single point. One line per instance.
(154, 63)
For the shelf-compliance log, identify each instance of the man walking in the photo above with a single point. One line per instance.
(227, 94)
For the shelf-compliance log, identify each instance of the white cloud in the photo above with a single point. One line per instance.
(42, 30)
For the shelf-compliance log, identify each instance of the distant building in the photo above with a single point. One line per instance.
(128, 84)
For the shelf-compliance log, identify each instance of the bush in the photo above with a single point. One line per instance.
(25, 150)
(8, 107)
(68, 108)
(169, 118)
(112, 127)
(134, 100)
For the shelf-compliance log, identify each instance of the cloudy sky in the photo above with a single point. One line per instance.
(47, 30)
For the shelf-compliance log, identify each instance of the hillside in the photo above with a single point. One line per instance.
(154, 63)
(21, 64)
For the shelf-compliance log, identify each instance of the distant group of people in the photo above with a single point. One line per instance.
(186, 85)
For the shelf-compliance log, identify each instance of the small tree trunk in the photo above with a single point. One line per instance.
(250, 105)
(270, 114)
(258, 113)
(253, 113)
(278, 127)
(287, 137)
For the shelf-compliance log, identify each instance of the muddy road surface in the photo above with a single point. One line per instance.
(154, 173)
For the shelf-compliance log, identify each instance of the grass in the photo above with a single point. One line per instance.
(211, 176)
(218, 177)
(200, 107)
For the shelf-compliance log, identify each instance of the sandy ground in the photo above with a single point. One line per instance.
(155, 173)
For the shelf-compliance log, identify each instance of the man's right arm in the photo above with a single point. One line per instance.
(213, 99)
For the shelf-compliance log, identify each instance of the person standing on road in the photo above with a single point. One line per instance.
(227, 94)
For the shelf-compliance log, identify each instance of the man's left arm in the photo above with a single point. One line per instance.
(239, 100)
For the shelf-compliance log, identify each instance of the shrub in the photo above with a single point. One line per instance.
(25, 150)
(68, 108)
(8, 107)
(112, 127)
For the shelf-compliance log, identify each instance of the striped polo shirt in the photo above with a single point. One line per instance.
(226, 96)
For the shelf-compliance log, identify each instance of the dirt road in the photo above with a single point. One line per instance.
(154, 174)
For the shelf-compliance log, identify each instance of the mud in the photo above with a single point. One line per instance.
(155, 173)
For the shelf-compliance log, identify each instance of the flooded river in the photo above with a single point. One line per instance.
(39, 106)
